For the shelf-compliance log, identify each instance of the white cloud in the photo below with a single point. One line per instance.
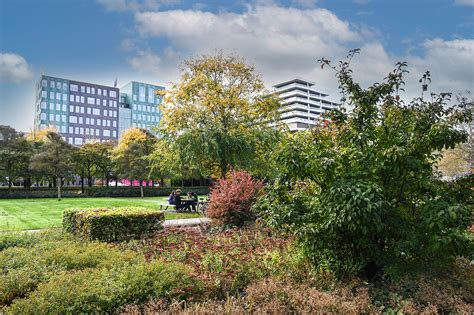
(14, 68)
(464, 2)
(286, 42)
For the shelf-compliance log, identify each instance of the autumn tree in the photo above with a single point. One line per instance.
(55, 159)
(104, 163)
(218, 115)
(131, 155)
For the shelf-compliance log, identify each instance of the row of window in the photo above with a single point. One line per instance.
(144, 108)
(145, 117)
(92, 90)
(58, 96)
(92, 111)
(92, 121)
(143, 126)
(58, 106)
(92, 132)
(53, 84)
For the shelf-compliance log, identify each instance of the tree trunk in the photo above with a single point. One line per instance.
(141, 189)
(82, 182)
(59, 188)
(9, 184)
(89, 181)
(116, 182)
(107, 180)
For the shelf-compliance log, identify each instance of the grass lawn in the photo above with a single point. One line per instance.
(41, 213)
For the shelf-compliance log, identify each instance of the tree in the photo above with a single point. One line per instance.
(453, 162)
(361, 195)
(101, 153)
(131, 155)
(54, 159)
(15, 153)
(218, 115)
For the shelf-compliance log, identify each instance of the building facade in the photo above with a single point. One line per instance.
(139, 106)
(303, 106)
(82, 112)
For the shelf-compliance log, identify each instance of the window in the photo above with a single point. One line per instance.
(78, 109)
(51, 106)
(113, 94)
(81, 131)
(51, 95)
(73, 119)
(139, 117)
(83, 89)
(51, 117)
(97, 132)
(71, 98)
(82, 99)
(44, 94)
(58, 117)
(71, 108)
(104, 102)
(139, 107)
(76, 130)
(63, 119)
(108, 123)
(135, 106)
(65, 86)
(58, 85)
(141, 93)
(151, 95)
(104, 112)
(43, 105)
(99, 91)
(111, 103)
(134, 97)
(44, 83)
(69, 139)
(51, 84)
(93, 90)
(88, 90)
(81, 120)
(92, 121)
(78, 99)
(58, 107)
(91, 100)
(106, 133)
(64, 107)
(78, 141)
(82, 109)
(71, 130)
(63, 129)
(105, 92)
(74, 88)
(115, 113)
(88, 120)
(114, 123)
(97, 101)
(43, 116)
(89, 110)
(115, 103)
(95, 111)
(64, 97)
(114, 133)
(99, 122)
(134, 116)
(87, 131)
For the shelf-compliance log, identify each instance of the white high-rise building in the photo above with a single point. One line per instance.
(303, 105)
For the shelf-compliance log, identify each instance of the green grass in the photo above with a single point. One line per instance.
(41, 213)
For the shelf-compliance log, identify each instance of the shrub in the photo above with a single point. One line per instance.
(23, 268)
(21, 239)
(112, 225)
(106, 290)
(231, 199)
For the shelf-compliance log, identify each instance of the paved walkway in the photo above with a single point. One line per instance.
(186, 222)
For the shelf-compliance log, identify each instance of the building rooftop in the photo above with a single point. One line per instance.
(295, 80)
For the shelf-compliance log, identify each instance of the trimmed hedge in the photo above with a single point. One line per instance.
(112, 225)
(97, 191)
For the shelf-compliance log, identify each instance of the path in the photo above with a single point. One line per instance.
(186, 222)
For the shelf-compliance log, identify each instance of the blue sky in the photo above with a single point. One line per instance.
(100, 40)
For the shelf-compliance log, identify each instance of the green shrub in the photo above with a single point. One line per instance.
(112, 225)
(106, 290)
(23, 268)
(22, 239)
(111, 191)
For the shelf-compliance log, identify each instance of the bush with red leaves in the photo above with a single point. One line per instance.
(230, 199)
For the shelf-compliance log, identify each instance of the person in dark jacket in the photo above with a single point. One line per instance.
(177, 200)
(171, 198)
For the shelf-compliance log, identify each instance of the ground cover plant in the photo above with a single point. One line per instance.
(41, 213)
(53, 273)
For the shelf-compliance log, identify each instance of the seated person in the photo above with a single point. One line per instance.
(178, 204)
(171, 198)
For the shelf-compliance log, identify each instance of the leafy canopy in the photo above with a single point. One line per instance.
(361, 194)
(217, 116)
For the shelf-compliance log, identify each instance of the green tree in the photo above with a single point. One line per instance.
(361, 195)
(55, 159)
(15, 154)
(217, 117)
(131, 155)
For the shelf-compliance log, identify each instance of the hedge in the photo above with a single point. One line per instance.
(112, 225)
(97, 191)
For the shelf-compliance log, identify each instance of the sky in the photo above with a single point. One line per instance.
(147, 40)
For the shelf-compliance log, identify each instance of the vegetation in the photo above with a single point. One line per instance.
(28, 214)
(216, 118)
(112, 224)
(231, 199)
(360, 194)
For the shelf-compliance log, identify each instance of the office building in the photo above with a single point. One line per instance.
(303, 105)
(83, 112)
(139, 106)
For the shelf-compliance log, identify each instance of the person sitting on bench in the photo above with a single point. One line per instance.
(178, 204)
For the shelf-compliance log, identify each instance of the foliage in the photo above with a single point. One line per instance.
(131, 152)
(54, 159)
(112, 225)
(231, 199)
(217, 116)
(15, 152)
(360, 194)
(453, 162)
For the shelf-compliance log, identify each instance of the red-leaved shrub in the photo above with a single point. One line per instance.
(230, 199)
